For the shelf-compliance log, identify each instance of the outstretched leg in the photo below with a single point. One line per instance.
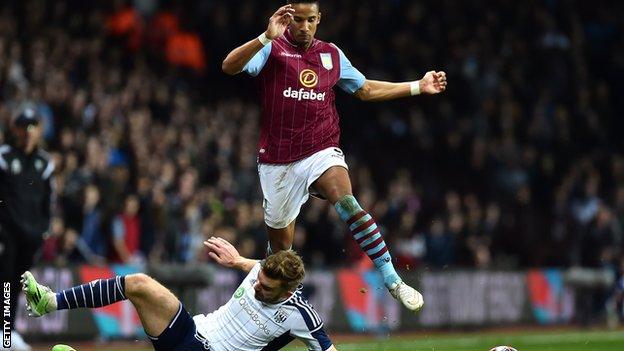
(335, 185)
(156, 306)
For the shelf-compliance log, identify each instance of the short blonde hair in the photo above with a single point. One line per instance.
(286, 266)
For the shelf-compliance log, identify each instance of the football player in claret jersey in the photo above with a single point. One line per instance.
(266, 312)
(298, 150)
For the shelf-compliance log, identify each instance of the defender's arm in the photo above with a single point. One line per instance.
(226, 255)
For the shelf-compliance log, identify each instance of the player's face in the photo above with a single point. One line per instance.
(269, 290)
(305, 20)
(27, 137)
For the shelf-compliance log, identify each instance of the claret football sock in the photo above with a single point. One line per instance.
(368, 236)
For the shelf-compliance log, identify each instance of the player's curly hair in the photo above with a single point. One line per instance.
(286, 266)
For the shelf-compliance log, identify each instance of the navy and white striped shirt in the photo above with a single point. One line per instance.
(245, 323)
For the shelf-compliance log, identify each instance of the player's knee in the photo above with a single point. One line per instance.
(336, 193)
(138, 284)
(347, 207)
(349, 203)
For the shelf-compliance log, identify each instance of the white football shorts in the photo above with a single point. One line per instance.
(286, 187)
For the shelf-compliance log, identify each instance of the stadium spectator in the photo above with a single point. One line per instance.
(126, 230)
(26, 205)
(185, 49)
(440, 244)
(91, 234)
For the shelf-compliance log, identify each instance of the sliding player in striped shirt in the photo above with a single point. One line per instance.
(266, 312)
(298, 150)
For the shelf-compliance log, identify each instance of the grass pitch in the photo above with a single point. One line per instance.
(522, 341)
(475, 341)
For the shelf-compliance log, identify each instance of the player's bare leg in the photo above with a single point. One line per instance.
(335, 185)
(155, 304)
(280, 239)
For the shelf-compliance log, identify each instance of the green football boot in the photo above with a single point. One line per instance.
(63, 348)
(39, 298)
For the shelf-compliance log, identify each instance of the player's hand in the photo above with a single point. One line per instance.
(222, 251)
(279, 21)
(433, 82)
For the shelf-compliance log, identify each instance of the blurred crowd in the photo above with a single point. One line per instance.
(519, 164)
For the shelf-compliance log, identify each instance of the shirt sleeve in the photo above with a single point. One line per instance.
(253, 273)
(308, 328)
(316, 340)
(351, 80)
(255, 65)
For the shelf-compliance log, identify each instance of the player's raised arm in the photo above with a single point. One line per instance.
(239, 57)
(373, 90)
(226, 255)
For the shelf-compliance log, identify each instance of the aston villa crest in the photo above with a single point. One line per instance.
(326, 60)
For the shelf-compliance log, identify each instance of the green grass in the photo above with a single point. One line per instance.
(524, 341)
(476, 341)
